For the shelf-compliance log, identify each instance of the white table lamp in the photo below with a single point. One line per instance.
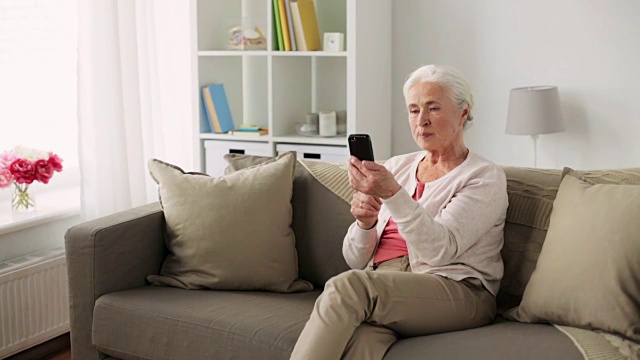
(534, 110)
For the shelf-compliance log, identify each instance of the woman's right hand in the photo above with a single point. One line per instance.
(365, 209)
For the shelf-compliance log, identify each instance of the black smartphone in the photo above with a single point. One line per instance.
(360, 146)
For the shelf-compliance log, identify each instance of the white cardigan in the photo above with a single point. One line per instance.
(455, 230)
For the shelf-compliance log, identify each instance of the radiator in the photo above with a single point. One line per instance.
(34, 303)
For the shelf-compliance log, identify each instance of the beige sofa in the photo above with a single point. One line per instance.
(115, 313)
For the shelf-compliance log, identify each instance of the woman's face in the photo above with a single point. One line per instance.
(436, 122)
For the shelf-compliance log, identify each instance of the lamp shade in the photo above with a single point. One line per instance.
(534, 110)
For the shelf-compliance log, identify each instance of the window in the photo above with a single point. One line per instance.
(38, 76)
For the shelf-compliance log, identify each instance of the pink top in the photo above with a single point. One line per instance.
(392, 245)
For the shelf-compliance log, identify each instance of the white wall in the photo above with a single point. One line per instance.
(590, 50)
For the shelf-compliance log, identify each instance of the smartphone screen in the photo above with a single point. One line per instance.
(360, 146)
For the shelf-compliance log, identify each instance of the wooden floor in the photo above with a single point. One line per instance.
(55, 349)
(64, 354)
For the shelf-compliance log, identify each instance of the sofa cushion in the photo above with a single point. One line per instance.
(232, 232)
(500, 340)
(169, 323)
(588, 273)
(320, 220)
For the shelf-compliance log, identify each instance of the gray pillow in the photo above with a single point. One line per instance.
(320, 221)
(232, 232)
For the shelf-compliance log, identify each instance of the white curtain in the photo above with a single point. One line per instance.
(134, 98)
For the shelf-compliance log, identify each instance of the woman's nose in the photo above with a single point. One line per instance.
(423, 118)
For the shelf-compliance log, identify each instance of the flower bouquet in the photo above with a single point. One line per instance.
(21, 167)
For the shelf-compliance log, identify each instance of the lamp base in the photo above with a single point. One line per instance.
(535, 150)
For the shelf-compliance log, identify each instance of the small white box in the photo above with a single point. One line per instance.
(333, 42)
(319, 153)
(327, 123)
(216, 149)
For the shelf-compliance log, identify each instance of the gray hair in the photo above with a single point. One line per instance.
(445, 76)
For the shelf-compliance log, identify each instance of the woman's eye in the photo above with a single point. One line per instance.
(414, 111)
(434, 108)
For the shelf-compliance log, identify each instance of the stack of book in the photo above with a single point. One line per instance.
(296, 25)
(217, 108)
(249, 130)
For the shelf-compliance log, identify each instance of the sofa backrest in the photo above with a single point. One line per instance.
(531, 193)
(320, 221)
(321, 218)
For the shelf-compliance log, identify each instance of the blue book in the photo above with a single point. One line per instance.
(222, 110)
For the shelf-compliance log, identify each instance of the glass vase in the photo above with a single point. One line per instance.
(23, 202)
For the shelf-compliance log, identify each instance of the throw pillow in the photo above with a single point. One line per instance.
(588, 272)
(630, 176)
(229, 233)
(320, 218)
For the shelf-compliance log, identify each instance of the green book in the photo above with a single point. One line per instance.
(278, 26)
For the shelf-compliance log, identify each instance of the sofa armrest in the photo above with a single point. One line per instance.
(109, 254)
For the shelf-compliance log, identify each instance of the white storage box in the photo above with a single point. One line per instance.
(316, 152)
(216, 149)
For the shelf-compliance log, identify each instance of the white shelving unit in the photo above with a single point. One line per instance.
(275, 89)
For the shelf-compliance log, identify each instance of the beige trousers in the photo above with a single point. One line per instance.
(361, 313)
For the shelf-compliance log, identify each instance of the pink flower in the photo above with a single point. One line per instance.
(5, 177)
(55, 161)
(23, 171)
(24, 165)
(6, 159)
(43, 171)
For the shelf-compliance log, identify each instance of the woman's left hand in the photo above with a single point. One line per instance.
(372, 179)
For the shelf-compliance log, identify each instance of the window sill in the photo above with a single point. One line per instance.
(50, 206)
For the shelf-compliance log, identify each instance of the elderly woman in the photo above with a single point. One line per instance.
(426, 242)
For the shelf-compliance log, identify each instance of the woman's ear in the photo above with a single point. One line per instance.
(465, 114)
